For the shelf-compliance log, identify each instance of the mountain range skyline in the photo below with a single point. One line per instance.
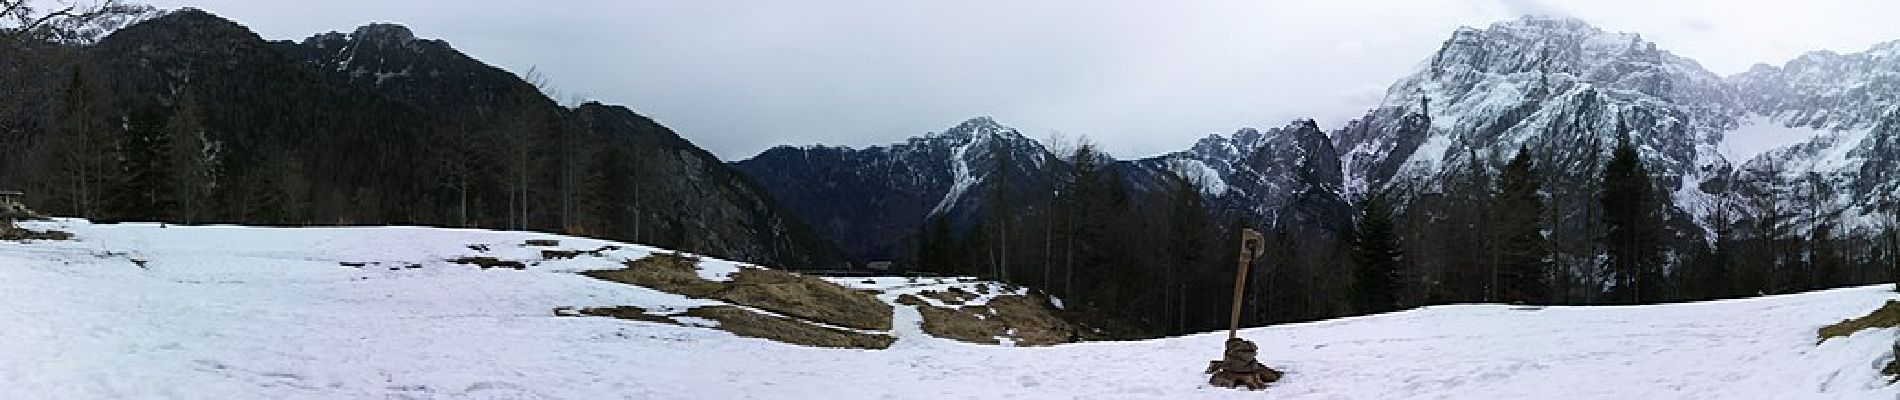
(1142, 81)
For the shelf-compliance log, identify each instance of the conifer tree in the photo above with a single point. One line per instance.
(1525, 252)
(1633, 237)
(194, 160)
(1378, 256)
(143, 190)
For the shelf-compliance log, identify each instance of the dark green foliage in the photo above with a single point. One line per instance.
(1633, 238)
(228, 128)
(143, 190)
(1377, 258)
(1523, 251)
(939, 248)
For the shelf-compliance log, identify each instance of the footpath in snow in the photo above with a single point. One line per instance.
(239, 312)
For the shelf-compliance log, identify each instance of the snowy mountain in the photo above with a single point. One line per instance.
(144, 310)
(1561, 89)
(1821, 127)
(1289, 176)
(870, 200)
(1836, 118)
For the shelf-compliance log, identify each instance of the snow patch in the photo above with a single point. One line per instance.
(1759, 134)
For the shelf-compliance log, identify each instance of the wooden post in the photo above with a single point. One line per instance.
(1251, 246)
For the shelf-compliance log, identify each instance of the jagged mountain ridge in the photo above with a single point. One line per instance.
(1563, 90)
(873, 200)
(1850, 105)
(1559, 88)
(1288, 176)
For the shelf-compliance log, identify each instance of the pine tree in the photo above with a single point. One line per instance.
(143, 190)
(82, 150)
(605, 196)
(1000, 209)
(1717, 276)
(1824, 261)
(1187, 240)
(1633, 237)
(194, 160)
(939, 247)
(1378, 256)
(1524, 253)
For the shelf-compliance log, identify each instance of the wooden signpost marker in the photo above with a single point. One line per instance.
(1251, 247)
(1238, 366)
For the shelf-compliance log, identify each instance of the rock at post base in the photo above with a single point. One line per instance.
(1237, 367)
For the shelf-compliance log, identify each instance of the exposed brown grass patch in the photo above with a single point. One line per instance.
(1028, 320)
(27, 235)
(1887, 316)
(666, 272)
(489, 262)
(746, 323)
(794, 295)
(806, 297)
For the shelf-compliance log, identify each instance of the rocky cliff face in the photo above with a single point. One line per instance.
(1820, 127)
(1563, 90)
(1288, 176)
(1844, 112)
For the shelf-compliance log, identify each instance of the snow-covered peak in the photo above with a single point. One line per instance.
(1825, 89)
(975, 129)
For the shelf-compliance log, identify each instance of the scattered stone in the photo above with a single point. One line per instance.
(541, 243)
(352, 264)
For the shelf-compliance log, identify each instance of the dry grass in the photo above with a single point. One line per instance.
(26, 235)
(1887, 316)
(489, 262)
(794, 295)
(746, 323)
(1031, 318)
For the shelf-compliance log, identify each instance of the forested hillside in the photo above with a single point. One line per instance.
(191, 118)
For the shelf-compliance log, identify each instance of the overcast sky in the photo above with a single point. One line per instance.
(1141, 78)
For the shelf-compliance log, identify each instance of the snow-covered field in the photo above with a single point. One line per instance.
(234, 312)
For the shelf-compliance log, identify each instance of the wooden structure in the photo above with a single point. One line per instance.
(11, 208)
(1238, 366)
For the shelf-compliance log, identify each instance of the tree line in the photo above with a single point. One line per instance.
(1160, 262)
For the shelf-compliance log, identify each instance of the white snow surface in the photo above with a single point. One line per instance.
(1759, 134)
(237, 312)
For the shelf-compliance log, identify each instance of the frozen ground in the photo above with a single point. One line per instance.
(233, 312)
